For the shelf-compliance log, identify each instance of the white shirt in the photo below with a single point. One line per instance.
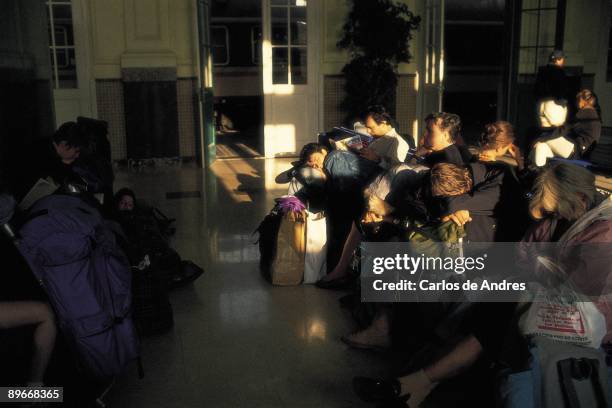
(392, 149)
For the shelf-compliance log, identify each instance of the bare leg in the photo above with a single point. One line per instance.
(17, 314)
(459, 359)
(352, 242)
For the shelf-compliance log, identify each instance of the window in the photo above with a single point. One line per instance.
(61, 44)
(541, 32)
(289, 42)
(256, 45)
(609, 74)
(220, 45)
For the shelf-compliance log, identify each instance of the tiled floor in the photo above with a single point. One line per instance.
(238, 342)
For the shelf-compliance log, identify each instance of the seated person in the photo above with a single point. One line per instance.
(439, 142)
(447, 191)
(564, 194)
(147, 235)
(308, 177)
(551, 92)
(441, 131)
(55, 158)
(496, 141)
(388, 147)
(575, 140)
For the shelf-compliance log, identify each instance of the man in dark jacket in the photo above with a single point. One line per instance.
(54, 158)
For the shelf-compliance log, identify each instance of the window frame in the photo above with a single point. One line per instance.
(289, 4)
(609, 56)
(227, 45)
(56, 49)
(256, 45)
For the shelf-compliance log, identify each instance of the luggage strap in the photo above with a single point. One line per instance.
(580, 369)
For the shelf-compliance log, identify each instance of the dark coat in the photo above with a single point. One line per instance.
(454, 154)
(584, 131)
(551, 82)
(481, 202)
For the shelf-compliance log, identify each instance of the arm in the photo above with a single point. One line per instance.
(585, 133)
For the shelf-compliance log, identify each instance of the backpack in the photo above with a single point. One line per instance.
(73, 253)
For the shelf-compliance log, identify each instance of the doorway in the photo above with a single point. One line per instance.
(236, 43)
(474, 50)
(68, 38)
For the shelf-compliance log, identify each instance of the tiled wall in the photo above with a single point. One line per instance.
(109, 95)
(333, 89)
(188, 115)
(405, 103)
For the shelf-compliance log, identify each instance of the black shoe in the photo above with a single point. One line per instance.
(335, 284)
(376, 390)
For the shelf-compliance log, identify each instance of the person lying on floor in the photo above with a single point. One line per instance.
(567, 209)
(574, 140)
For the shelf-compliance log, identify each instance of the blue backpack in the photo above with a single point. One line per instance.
(73, 253)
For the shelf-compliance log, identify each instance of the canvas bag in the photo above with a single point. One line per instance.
(315, 262)
(561, 315)
(288, 265)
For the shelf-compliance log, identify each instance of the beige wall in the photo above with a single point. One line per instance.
(586, 44)
(142, 33)
(332, 58)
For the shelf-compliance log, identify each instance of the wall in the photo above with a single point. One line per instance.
(26, 101)
(149, 38)
(333, 60)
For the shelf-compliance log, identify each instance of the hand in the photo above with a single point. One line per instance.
(516, 154)
(423, 151)
(371, 217)
(487, 156)
(369, 154)
(460, 217)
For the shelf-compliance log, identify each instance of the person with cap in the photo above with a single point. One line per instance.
(551, 92)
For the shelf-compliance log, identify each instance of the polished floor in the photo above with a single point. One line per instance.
(237, 341)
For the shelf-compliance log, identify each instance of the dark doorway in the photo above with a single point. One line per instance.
(237, 78)
(474, 47)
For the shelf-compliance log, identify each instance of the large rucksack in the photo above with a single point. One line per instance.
(73, 253)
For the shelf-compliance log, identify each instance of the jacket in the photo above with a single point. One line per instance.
(585, 254)
(551, 82)
(584, 131)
